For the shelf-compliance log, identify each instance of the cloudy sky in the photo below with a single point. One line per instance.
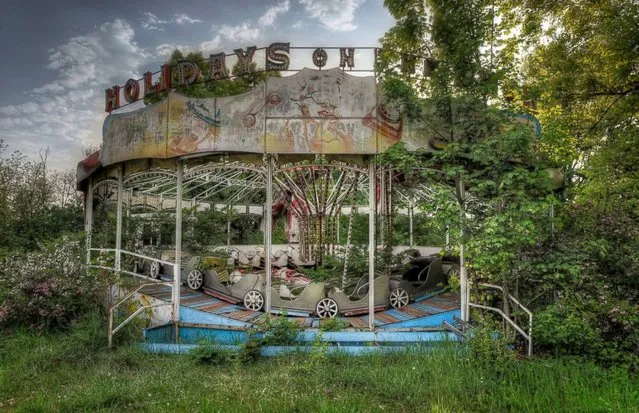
(58, 57)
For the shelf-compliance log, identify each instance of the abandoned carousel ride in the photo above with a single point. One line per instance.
(217, 214)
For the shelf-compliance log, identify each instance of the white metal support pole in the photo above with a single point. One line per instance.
(88, 217)
(118, 229)
(228, 228)
(382, 208)
(463, 282)
(177, 282)
(347, 252)
(371, 243)
(339, 213)
(129, 204)
(268, 229)
(410, 226)
(462, 263)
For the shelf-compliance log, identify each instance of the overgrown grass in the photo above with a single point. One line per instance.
(74, 372)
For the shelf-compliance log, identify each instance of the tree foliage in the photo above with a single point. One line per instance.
(36, 203)
(575, 66)
(236, 84)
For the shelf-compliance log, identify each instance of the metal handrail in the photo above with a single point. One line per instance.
(112, 330)
(453, 329)
(133, 274)
(145, 257)
(513, 299)
(149, 282)
(527, 336)
(131, 317)
(113, 250)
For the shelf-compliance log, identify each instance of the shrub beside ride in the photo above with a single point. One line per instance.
(48, 288)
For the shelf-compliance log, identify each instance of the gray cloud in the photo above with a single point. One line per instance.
(334, 15)
(248, 31)
(272, 13)
(182, 18)
(151, 22)
(67, 113)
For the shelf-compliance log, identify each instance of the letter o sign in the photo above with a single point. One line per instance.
(131, 90)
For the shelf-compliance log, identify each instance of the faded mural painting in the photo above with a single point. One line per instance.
(311, 111)
(320, 112)
(134, 135)
(234, 123)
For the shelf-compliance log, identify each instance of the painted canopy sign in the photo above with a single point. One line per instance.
(309, 112)
(312, 111)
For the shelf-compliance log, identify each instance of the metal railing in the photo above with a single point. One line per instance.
(526, 335)
(137, 312)
(450, 327)
(149, 282)
(133, 254)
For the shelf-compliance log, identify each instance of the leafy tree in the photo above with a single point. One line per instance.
(457, 101)
(575, 67)
(36, 204)
(582, 73)
(201, 88)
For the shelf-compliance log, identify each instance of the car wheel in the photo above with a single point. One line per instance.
(453, 272)
(326, 308)
(254, 300)
(399, 298)
(194, 279)
(155, 270)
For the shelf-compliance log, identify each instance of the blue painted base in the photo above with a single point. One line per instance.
(396, 330)
(431, 321)
(190, 315)
(194, 334)
(271, 351)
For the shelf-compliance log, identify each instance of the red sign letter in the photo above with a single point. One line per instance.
(112, 99)
(131, 90)
(162, 84)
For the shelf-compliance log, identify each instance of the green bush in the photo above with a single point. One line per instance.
(210, 354)
(601, 330)
(329, 272)
(333, 324)
(280, 332)
(250, 350)
(489, 347)
(49, 288)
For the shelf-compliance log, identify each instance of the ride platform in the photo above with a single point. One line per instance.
(199, 307)
(419, 325)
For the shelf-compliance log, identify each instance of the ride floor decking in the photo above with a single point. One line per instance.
(440, 303)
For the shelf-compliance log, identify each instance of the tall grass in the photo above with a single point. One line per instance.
(74, 372)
